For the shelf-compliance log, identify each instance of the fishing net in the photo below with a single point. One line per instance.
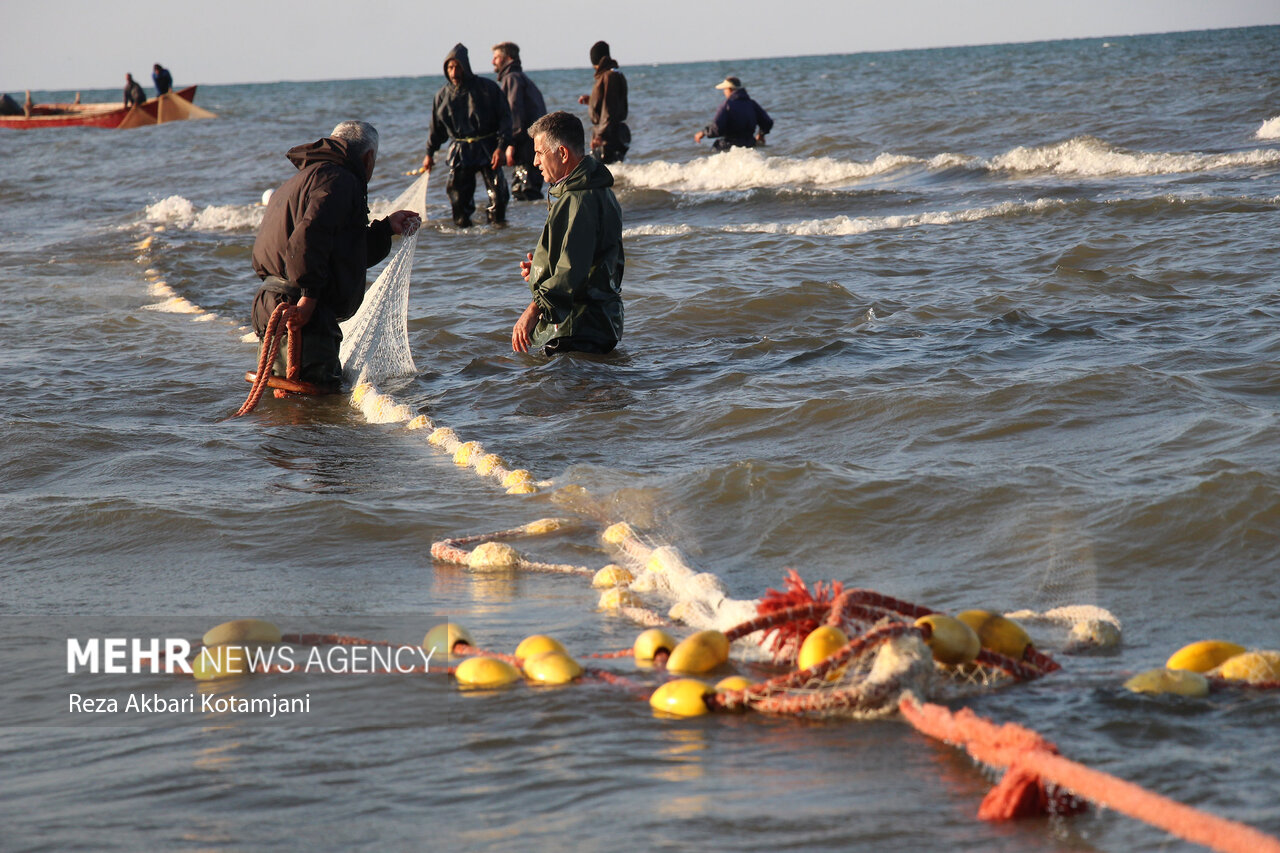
(375, 342)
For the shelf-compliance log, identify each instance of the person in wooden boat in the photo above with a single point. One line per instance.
(473, 112)
(575, 273)
(527, 106)
(315, 244)
(133, 94)
(162, 78)
(739, 122)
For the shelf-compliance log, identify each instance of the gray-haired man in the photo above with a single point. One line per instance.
(316, 242)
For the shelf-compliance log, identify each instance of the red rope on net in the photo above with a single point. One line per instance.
(270, 344)
(859, 645)
(1033, 761)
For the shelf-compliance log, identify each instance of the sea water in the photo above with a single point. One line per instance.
(980, 327)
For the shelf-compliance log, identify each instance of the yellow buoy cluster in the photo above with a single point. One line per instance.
(543, 660)
(1188, 670)
(228, 648)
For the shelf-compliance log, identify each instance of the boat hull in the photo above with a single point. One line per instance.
(99, 115)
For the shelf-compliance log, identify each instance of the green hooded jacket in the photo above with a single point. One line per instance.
(576, 274)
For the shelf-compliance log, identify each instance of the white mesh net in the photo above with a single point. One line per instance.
(375, 342)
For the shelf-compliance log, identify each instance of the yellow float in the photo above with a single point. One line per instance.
(683, 697)
(997, 633)
(611, 575)
(485, 673)
(700, 652)
(552, 667)
(493, 555)
(537, 644)
(443, 638)
(243, 631)
(1180, 682)
(951, 641)
(650, 643)
(1252, 667)
(1203, 655)
(732, 682)
(822, 643)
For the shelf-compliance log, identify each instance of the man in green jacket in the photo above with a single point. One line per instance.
(575, 274)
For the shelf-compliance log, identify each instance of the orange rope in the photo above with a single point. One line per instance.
(270, 344)
(1032, 760)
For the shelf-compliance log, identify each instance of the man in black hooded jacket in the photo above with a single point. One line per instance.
(610, 136)
(474, 113)
(316, 242)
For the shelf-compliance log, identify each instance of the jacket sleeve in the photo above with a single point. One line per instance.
(377, 241)
(615, 97)
(717, 126)
(514, 90)
(306, 259)
(439, 133)
(762, 119)
(573, 231)
(504, 120)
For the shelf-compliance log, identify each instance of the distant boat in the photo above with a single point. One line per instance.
(171, 106)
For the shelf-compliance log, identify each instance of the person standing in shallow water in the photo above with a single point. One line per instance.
(607, 106)
(315, 244)
(575, 274)
(737, 120)
(527, 106)
(474, 113)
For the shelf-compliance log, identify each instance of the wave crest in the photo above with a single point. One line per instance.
(1270, 129)
(178, 212)
(1091, 157)
(744, 168)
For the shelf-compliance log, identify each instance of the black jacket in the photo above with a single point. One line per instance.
(523, 98)
(316, 232)
(474, 113)
(607, 105)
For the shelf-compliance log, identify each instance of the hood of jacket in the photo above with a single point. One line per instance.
(459, 53)
(590, 174)
(738, 94)
(606, 65)
(327, 150)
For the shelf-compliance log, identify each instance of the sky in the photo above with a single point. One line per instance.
(90, 44)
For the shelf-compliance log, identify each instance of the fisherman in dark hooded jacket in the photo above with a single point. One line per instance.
(610, 136)
(527, 107)
(474, 113)
(316, 242)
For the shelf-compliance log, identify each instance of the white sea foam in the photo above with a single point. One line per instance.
(178, 212)
(1090, 157)
(1270, 129)
(847, 225)
(745, 168)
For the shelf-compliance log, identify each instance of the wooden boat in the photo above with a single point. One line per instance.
(171, 106)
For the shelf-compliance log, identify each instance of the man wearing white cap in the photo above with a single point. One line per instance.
(737, 120)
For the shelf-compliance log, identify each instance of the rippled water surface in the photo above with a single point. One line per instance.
(984, 327)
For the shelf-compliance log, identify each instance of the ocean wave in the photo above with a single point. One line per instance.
(1081, 156)
(177, 212)
(1270, 129)
(743, 168)
(1091, 157)
(848, 225)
